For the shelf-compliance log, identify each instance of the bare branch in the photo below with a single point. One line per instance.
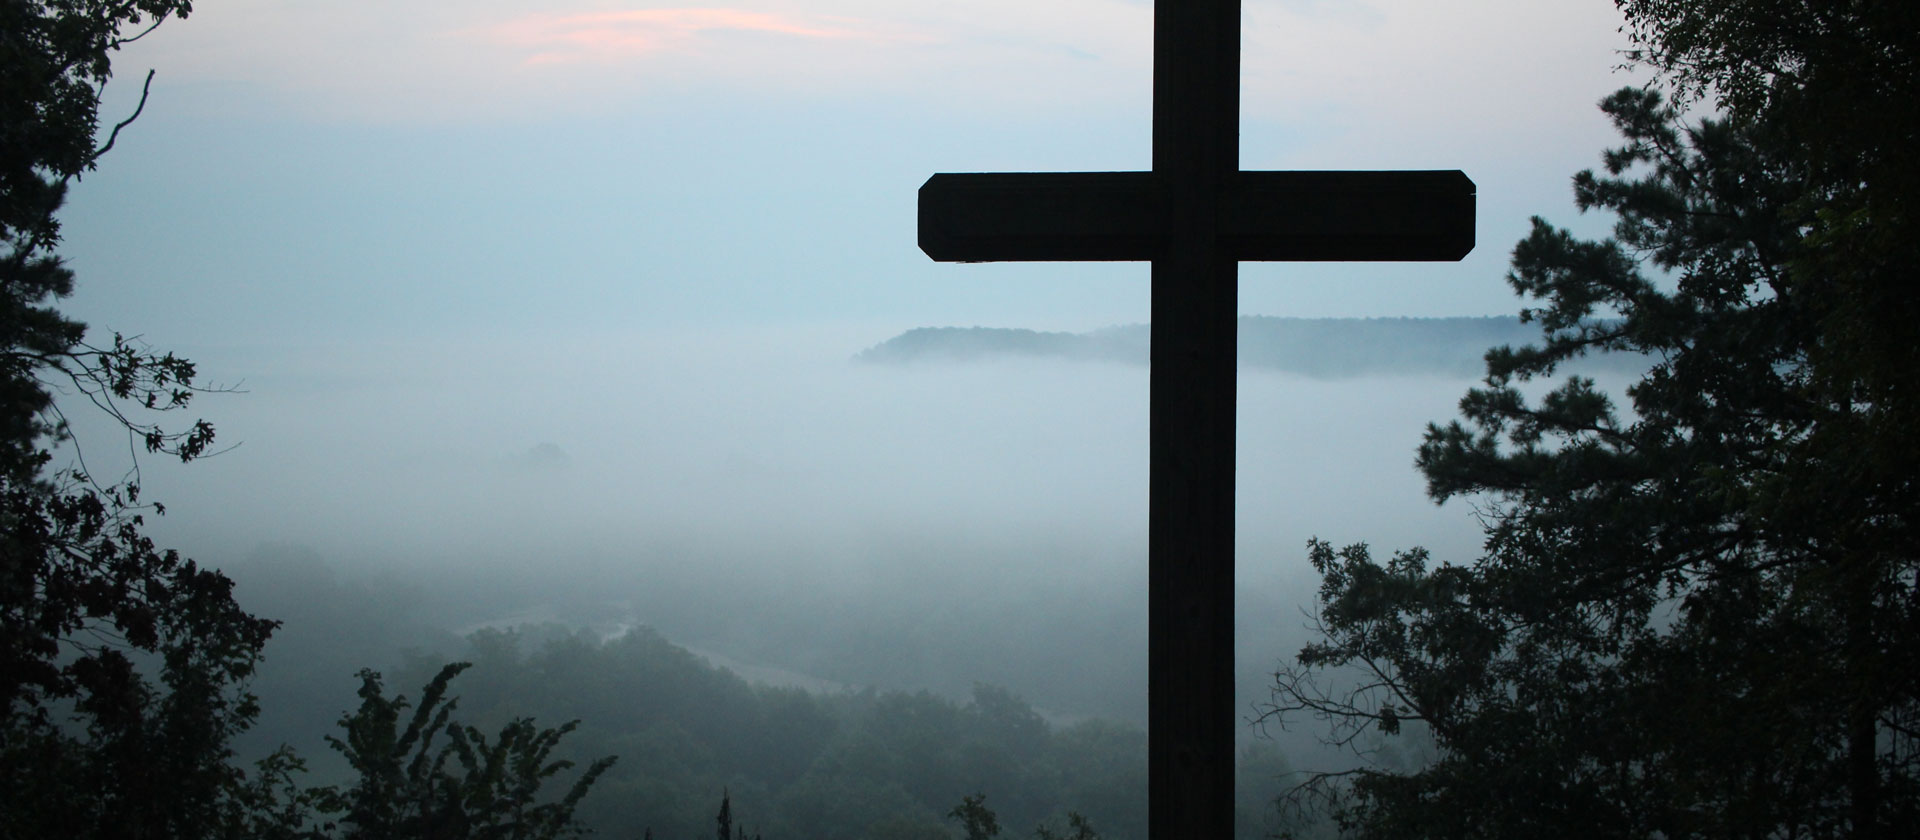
(145, 88)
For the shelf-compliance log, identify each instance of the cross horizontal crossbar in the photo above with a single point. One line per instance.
(1263, 216)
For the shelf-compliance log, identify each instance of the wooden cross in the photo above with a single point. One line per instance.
(1195, 216)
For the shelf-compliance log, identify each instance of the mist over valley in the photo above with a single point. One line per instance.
(770, 505)
(716, 422)
(925, 508)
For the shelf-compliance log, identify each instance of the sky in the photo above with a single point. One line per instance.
(566, 282)
(311, 169)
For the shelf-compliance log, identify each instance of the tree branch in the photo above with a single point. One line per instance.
(145, 88)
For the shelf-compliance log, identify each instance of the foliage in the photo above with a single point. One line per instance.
(56, 58)
(977, 820)
(120, 662)
(1837, 75)
(1835, 83)
(1078, 828)
(1692, 620)
(467, 788)
(58, 61)
(854, 764)
(724, 827)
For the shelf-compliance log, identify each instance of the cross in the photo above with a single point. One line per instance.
(1195, 216)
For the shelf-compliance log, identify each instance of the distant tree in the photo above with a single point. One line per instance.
(727, 829)
(467, 788)
(975, 818)
(1696, 620)
(121, 664)
(1078, 828)
(981, 823)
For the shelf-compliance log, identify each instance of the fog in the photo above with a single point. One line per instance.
(520, 342)
(761, 497)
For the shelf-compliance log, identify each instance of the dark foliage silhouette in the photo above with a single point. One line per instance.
(121, 663)
(467, 787)
(1694, 619)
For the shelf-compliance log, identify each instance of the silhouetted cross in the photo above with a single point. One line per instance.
(1196, 215)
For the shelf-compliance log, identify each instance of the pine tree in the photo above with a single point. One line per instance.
(1694, 619)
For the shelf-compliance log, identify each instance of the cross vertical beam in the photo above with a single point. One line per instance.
(1195, 216)
(1196, 157)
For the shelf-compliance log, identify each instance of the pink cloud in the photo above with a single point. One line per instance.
(609, 36)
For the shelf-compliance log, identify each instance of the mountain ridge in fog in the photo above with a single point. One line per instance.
(1322, 348)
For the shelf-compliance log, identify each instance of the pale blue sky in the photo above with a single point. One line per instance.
(431, 237)
(324, 168)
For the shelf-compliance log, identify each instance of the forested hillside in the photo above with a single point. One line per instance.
(799, 758)
(796, 763)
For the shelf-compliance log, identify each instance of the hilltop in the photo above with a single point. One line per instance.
(1323, 348)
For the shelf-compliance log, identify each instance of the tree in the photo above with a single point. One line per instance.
(1836, 75)
(979, 822)
(467, 788)
(975, 818)
(119, 661)
(1836, 82)
(1078, 828)
(1694, 619)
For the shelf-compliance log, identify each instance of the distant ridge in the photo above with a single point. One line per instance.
(1325, 348)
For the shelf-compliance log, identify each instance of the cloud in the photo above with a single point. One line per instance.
(621, 35)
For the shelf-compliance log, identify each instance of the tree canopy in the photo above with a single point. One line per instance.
(120, 662)
(1695, 616)
(465, 788)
